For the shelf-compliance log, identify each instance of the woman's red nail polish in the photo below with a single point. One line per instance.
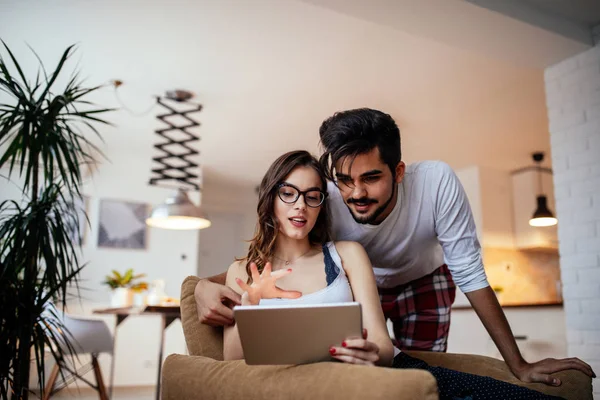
(344, 344)
(332, 351)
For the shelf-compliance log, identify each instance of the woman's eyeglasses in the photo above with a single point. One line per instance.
(290, 194)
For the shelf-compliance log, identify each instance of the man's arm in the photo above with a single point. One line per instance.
(492, 316)
(214, 301)
(232, 345)
(221, 279)
(457, 234)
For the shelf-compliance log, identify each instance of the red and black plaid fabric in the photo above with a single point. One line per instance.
(420, 311)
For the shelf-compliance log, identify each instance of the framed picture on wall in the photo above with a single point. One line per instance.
(122, 224)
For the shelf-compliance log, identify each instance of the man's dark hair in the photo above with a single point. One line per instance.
(354, 132)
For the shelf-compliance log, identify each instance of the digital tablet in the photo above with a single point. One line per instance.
(295, 334)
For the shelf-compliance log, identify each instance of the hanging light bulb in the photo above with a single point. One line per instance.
(542, 216)
(178, 212)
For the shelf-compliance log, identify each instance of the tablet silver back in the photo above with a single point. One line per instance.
(295, 334)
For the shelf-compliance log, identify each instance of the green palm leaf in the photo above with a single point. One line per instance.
(43, 145)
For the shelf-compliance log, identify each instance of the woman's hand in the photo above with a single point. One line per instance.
(263, 286)
(356, 351)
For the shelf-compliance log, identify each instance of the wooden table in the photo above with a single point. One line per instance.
(168, 314)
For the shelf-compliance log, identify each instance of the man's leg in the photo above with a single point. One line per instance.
(455, 385)
(420, 311)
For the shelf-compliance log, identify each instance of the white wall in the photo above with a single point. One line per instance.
(496, 197)
(225, 241)
(573, 100)
(232, 211)
(470, 180)
(490, 195)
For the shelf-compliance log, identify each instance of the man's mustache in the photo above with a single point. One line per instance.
(363, 201)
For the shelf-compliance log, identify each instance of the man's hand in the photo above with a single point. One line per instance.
(488, 309)
(540, 371)
(214, 303)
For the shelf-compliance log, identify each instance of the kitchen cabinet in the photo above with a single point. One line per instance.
(540, 332)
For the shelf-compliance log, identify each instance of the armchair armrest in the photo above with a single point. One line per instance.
(191, 377)
(575, 384)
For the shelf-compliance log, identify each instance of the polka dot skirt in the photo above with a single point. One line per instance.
(455, 385)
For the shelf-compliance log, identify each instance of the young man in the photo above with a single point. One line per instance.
(416, 225)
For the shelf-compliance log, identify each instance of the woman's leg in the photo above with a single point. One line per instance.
(454, 385)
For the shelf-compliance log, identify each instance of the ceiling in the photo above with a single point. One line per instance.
(514, 31)
(579, 11)
(268, 72)
(570, 19)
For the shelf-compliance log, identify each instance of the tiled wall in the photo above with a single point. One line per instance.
(525, 277)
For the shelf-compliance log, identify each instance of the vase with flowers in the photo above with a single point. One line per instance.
(124, 286)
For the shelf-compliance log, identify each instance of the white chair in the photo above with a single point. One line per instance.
(87, 336)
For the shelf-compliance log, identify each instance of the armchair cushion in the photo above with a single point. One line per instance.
(187, 377)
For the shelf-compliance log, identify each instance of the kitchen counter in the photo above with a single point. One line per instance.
(468, 307)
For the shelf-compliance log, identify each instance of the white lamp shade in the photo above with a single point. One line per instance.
(543, 221)
(178, 212)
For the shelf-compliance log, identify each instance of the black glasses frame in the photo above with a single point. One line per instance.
(301, 193)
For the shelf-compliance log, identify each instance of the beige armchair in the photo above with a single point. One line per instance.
(204, 375)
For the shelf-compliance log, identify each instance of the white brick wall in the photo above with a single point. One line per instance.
(573, 100)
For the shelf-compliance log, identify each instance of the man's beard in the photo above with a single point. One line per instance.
(371, 218)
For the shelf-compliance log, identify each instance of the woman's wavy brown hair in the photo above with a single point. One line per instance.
(267, 228)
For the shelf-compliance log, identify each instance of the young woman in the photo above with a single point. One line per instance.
(292, 260)
(292, 249)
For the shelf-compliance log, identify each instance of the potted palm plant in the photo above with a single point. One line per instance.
(44, 147)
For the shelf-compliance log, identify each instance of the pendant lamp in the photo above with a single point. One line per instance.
(175, 165)
(542, 216)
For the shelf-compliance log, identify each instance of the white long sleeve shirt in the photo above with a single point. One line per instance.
(431, 224)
